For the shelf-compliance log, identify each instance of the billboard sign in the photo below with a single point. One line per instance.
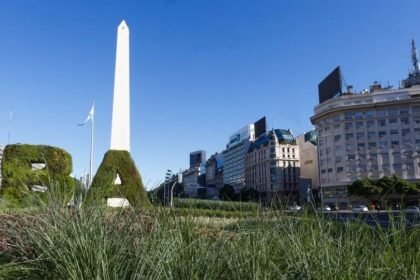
(330, 86)
(260, 127)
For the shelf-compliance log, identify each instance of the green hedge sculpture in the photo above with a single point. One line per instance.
(19, 178)
(118, 163)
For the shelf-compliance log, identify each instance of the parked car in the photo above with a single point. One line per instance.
(360, 208)
(326, 208)
(295, 208)
(412, 209)
(334, 207)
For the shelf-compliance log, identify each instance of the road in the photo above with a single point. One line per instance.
(384, 218)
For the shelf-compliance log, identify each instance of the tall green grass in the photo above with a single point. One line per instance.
(95, 243)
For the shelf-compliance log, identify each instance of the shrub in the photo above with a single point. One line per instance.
(215, 204)
(227, 192)
(118, 163)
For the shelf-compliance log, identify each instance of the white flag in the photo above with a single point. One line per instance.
(90, 115)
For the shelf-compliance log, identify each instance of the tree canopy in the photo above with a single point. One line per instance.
(383, 187)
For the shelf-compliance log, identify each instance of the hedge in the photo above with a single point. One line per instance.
(195, 212)
(131, 188)
(216, 204)
(18, 176)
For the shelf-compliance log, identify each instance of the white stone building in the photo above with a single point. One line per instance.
(371, 134)
(272, 163)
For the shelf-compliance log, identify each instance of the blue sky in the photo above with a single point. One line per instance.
(199, 69)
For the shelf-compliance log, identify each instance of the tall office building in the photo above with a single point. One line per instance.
(309, 157)
(236, 150)
(234, 156)
(272, 163)
(370, 134)
(214, 170)
(197, 158)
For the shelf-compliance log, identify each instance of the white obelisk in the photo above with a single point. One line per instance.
(120, 131)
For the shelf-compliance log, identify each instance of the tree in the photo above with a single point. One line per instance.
(365, 188)
(383, 188)
(227, 192)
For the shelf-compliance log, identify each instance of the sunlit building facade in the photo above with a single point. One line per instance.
(370, 134)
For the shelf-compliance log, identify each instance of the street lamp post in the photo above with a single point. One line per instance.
(179, 180)
(165, 190)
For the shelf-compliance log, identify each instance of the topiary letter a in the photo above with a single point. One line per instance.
(118, 164)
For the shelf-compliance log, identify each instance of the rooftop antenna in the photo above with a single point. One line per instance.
(414, 57)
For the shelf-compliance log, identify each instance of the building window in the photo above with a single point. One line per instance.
(392, 112)
(348, 126)
(403, 111)
(370, 124)
(337, 138)
(351, 157)
(382, 134)
(381, 113)
(383, 145)
(361, 146)
(358, 115)
(350, 147)
(372, 145)
(371, 134)
(396, 166)
(360, 135)
(336, 117)
(393, 131)
(405, 121)
(392, 121)
(339, 169)
(347, 116)
(359, 125)
(382, 123)
(338, 159)
(338, 148)
(370, 114)
(405, 132)
(349, 136)
(395, 143)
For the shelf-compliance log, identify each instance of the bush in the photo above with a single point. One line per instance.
(18, 176)
(227, 192)
(131, 188)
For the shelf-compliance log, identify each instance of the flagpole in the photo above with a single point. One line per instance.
(91, 147)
